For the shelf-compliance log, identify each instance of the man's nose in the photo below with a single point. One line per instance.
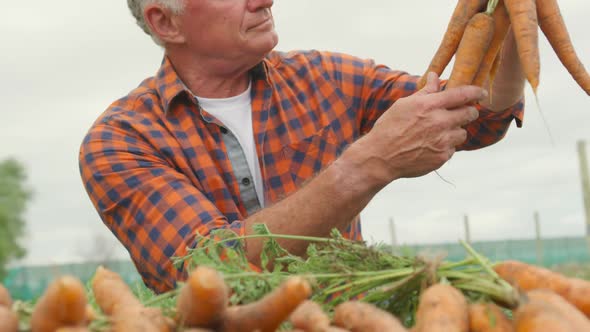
(256, 5)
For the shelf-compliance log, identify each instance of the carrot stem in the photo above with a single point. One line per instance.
(492, 4)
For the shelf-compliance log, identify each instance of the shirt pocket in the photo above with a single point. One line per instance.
(309, 156)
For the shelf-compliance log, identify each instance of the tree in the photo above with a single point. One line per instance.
(14, 196)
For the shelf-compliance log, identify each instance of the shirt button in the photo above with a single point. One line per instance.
(223, 130)
(246, 181)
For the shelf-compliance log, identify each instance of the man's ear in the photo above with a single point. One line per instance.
(163, 24)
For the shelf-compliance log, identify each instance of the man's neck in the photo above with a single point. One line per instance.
(211, 78)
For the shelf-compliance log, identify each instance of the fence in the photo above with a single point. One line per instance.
(26, 283)
(546, 252)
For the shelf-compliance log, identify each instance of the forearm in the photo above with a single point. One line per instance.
(331, 200)
(508, 86)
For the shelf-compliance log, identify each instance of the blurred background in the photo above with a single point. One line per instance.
(64, 62)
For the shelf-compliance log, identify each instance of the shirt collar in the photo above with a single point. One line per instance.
(170, 86)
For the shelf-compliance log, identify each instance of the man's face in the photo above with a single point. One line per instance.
(230, 29)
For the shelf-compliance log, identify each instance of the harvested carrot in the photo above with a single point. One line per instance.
(442, 308)
(203, 299)
(5, 299)
(472, 49)
(310, 317)
(63, 304)
(463, 12)
(127, 313)
(523, 16)
(554, 28)
(360, 316)
(73, 329)
(110, 291)
(528, 277)
(501, 27)
(564, 308)
(488, 317)
(540, 316)
(8, 320)
(139, 319)
(267, 314)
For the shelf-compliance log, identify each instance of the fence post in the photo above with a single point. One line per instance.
(392, 235)
(585, 186)
(467, 229)
(539, 241)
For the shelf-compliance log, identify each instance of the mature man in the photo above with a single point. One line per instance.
(230, 133)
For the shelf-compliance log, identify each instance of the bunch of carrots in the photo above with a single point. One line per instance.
(548, 302)
(476, 33)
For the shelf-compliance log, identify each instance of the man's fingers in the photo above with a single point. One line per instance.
(432, 84)
(457, 97)
(457, 136)
(462, 116)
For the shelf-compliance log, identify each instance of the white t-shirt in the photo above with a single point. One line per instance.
(236, 115)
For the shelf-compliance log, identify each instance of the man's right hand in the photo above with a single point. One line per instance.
(419, 133)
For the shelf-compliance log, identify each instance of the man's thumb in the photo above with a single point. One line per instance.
(432, 84)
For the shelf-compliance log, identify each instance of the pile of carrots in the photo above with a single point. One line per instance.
(475, 36)
(548, 302)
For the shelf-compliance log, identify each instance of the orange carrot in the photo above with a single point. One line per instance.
(501, 27)
(73, 329)
(8, 320)
(554, 28)
(523, 16)
(528, 277)
(560, 305)
(472, 49)
(140, 319)
(487, 317)
(5, 299)
(203, 299)
(536, 316)
(360, 316)
(127, 313)
(62, 304)
(310, 317)
(267, 314)
(463, 12)
(110, 291)
(442, 308)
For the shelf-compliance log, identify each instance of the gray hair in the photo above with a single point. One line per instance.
(137, 7)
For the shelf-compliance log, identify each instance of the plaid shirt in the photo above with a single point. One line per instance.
(156, 168)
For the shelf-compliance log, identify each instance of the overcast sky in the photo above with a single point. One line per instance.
(63, 62)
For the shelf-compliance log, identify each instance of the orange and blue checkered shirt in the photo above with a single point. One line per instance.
(156, 168)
